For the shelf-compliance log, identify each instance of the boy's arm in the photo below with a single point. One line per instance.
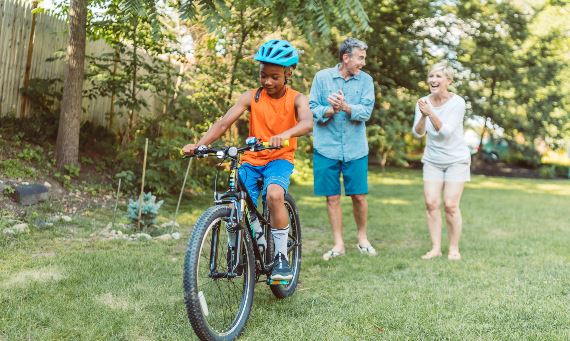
(303, 126)
(220, 126)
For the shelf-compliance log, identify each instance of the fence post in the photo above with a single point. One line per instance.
(28, 62)
(142, 185)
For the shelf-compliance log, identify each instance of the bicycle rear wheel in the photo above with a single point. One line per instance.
(293, 250)
(218, 304)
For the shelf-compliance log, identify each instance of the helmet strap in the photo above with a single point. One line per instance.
(288, 70)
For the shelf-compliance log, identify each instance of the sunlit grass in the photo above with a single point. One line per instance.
(513, 282)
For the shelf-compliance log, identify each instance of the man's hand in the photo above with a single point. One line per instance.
(189, 149)
(336, 100)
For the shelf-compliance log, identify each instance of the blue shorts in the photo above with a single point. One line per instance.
(275, 172)
(327, 175)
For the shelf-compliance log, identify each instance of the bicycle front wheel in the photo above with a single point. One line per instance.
(293, 250)
(218, 294)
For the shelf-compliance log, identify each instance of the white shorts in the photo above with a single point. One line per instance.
(453, 172)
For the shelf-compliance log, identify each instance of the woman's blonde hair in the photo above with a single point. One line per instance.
(444, 67)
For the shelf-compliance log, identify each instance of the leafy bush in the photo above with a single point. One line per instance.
(15, 169)
(31, 153)
(9, 191)
(547, 171)
(97, 140)
(149, 210)
(303, 160)
(553, 170)
(165, 167)
(562, 171)
(70, 172)
(42, 123)
(523, 155)
(127, 180)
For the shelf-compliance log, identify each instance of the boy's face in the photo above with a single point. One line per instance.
(272, 77)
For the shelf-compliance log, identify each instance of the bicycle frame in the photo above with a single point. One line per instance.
(240, 201)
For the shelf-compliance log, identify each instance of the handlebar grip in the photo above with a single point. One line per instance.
(198, 152)
(285, 143)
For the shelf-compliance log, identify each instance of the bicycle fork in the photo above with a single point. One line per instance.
(234, 243)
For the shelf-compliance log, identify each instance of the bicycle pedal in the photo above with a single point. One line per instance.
(277, 282)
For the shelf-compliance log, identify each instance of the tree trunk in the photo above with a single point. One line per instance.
(67, 148)
(234, 131)
(487, 117)
(131, 118)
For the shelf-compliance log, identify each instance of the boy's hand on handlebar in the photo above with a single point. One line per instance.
(278, 140)
(189, 149)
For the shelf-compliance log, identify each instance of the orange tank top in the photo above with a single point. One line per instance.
(269, 117)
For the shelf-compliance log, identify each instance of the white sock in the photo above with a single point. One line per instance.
(280, 237)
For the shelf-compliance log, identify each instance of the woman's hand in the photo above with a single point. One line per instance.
(425, 108)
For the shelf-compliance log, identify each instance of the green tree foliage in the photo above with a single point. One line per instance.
(397, 64)
(310, 17)
(543, 105)
(497, 31)
(514, 74)
(138, 37)
(512, 58)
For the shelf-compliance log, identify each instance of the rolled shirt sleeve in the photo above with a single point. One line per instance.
(417, 118)
(363, 110)
(316, 107)
(450, 125)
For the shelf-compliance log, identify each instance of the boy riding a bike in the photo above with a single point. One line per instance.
(277, 113)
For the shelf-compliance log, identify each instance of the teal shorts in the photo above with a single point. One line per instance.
(327, 175)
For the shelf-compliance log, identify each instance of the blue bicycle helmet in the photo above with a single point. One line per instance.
(279, 52)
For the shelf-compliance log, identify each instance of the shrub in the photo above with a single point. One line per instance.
(547, 171)
(127, 180)
(31, 153)
(15, 169)
(553, 170)
(9, 191)
(149, 211)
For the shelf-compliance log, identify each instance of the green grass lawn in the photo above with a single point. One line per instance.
(513, 282)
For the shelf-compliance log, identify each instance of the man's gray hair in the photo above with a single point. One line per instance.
(348, 45)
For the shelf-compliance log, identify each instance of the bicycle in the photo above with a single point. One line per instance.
(223, 261)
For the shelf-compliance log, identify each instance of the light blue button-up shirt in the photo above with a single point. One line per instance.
(341, 136)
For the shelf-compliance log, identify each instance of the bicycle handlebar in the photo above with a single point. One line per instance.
(285, 144)
(231, 151)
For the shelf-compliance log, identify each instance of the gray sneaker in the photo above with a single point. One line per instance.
(281, 270)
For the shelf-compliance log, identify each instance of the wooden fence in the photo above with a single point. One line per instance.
(51, 36)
